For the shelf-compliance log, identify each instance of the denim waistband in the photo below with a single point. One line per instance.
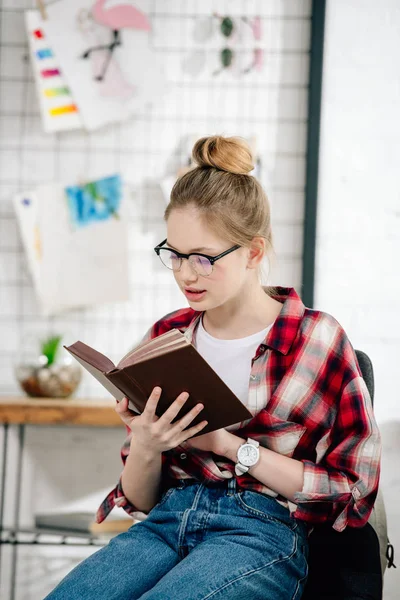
(229, 484)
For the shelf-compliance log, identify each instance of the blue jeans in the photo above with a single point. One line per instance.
(199, 543)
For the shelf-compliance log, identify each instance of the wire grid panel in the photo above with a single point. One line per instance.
(270, 104)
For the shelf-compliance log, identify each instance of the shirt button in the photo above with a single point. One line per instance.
(183, 456)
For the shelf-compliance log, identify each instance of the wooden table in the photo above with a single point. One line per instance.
(22, 411)
(90, 412)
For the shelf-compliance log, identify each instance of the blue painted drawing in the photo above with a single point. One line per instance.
(95, 201)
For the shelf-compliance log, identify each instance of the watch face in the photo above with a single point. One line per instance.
(248, 455)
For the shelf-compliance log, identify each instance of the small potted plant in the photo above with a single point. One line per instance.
(48, 376)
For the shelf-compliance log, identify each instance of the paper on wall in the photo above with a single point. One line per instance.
(73, 262)
(133, 77)
(57, 106)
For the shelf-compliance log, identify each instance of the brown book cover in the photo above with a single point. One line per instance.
(173, 363)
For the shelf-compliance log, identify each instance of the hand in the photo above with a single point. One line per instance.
(215, 441)
(157, 434)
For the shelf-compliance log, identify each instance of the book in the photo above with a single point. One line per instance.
(173, 363)
(82, 523)
(79, 516)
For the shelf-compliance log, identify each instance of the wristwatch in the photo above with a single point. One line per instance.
(248, 455)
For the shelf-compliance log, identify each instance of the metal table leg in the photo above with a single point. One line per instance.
(17, 496)
(21, 440)
(3, 485)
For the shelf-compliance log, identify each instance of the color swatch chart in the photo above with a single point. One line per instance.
(59, 111)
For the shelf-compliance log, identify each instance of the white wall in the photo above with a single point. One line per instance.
(63, 463)
(358, 238)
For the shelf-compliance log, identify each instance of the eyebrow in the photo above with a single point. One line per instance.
(201, 249)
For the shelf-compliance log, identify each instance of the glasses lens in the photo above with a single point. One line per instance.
(170, 259)
(201, 264)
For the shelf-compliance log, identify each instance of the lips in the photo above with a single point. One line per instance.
(194, 296)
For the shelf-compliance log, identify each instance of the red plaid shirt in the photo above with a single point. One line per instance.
(317, 410)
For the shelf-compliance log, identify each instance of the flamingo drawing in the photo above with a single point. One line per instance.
(121, 16)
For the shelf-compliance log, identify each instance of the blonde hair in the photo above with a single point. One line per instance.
(231, 202)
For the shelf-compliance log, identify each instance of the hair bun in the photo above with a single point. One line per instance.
(231, 154)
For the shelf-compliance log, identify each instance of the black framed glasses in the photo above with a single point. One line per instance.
(202, 264)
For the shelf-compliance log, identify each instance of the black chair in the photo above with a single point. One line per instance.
(349, 565)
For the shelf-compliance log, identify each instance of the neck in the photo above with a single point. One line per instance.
(239, 317)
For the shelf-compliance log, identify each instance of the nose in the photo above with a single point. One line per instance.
(187, 271)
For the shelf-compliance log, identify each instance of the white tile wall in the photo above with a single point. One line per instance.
(63, 463)
(358, 241)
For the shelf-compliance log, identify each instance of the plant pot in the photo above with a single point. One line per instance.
(58, 380)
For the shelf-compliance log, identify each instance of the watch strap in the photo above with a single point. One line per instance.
(240, 469)
(253, 442)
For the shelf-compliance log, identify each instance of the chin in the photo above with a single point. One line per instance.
(200, 304)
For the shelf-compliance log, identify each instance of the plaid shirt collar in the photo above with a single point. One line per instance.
(283, 333)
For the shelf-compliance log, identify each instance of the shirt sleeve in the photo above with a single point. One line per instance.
(346, 472)
(116, 496)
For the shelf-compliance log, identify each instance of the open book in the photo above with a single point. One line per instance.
(173, 363)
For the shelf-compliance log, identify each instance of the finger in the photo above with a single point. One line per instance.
(188, 418)
(151, 404)
(122, 405)
(122, 409)
(188, 433)
(171, 412)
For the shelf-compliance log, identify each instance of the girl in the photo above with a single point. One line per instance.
(226, 515)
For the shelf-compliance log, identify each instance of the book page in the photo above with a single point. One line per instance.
(160, 351)
(128, 354)
(160, 341)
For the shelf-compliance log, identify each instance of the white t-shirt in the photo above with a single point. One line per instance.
(231, 360)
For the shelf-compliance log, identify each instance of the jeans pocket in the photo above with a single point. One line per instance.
(167, 494)
(265, 507)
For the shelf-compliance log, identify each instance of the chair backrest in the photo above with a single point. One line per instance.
(367, 372)
(378, 515)
(349, 564)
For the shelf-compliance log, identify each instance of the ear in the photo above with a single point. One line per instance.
(256, 252)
